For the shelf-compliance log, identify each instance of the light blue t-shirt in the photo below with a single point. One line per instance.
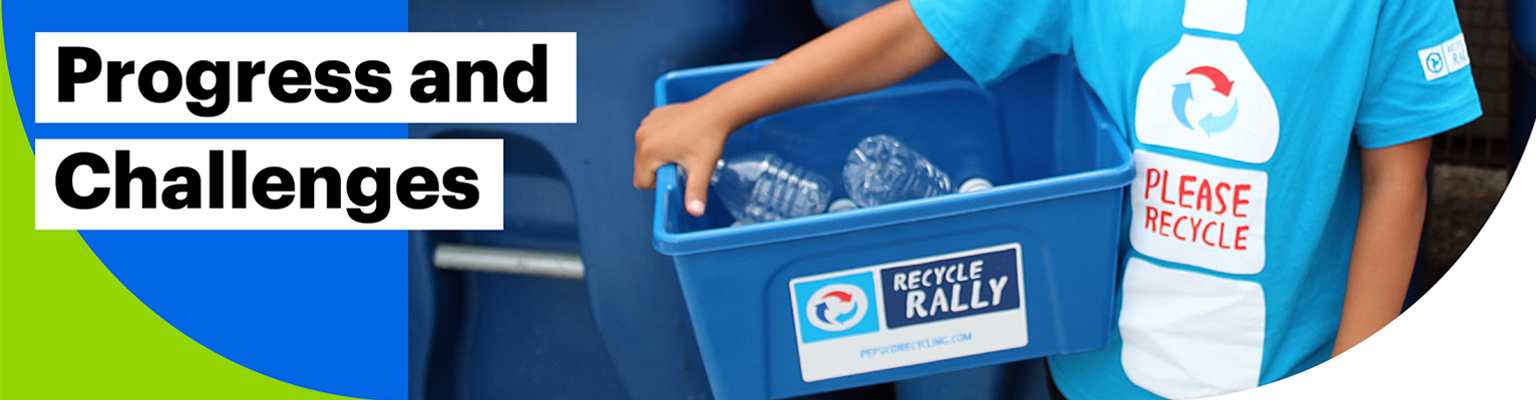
(1245, 120)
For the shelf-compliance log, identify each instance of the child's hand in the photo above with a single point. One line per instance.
(874, 51)
(690, 135)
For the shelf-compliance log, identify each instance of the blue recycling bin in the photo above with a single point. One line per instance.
(820, 303)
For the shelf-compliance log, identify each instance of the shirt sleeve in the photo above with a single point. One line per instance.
(992, 38)
(1419, 82)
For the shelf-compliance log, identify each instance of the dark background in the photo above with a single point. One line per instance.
(1472, 164)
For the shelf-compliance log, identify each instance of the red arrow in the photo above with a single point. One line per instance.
(840, 295)
(1223, 85)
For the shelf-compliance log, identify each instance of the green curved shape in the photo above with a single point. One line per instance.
(70, 330)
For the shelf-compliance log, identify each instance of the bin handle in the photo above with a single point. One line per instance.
(667, 197)
(508, 261)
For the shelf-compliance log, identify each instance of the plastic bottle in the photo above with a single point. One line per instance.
(842, 204)
(761, 187)
(882, 170)
(975, 184)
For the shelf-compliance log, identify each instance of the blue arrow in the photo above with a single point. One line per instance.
(1181, 97)
(850, 312)
(821, 311)
(1214, 124)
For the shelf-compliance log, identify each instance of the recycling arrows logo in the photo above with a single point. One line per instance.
(837, 307)
(1435, 62)
(1182, 81)
(1211, 123)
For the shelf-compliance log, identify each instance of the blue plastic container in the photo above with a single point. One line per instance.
(1041, 135)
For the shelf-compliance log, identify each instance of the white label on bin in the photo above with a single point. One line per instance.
(909, 312)
(1199, 214)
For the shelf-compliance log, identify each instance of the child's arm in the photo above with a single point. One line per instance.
(877, 50)
(1392, 198)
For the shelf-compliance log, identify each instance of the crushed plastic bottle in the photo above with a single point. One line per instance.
(882, 170)
(762, 187)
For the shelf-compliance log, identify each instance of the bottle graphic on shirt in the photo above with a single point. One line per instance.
(1189, 333)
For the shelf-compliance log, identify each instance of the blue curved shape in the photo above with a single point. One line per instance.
(1214, 124)
(1181, 97)
(325, 310)
(821, 311)
(851, 312)
(1522, 25)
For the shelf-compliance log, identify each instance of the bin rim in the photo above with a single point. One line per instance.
(669, 187)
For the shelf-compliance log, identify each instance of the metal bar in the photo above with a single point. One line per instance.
(508, 261)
